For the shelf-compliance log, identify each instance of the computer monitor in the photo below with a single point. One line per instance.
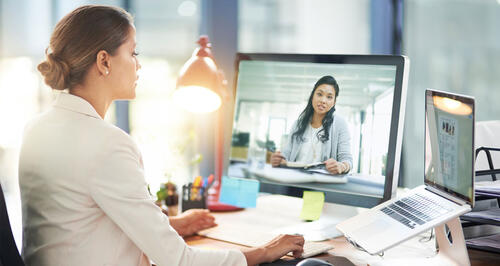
(272, 90)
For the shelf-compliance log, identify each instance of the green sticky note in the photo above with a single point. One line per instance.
(312, 205)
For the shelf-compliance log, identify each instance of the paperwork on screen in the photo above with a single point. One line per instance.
(296, 176)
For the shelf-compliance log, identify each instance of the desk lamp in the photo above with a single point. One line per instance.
(201, 88)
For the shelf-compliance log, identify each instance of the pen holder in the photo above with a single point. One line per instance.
(193, 197)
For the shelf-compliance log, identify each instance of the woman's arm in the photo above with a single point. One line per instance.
(118, 187)
(343, 162)
(344, 145)
(275, 249)
(335, 167)
(277, 159)
(289, 144)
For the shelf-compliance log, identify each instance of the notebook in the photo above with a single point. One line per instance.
(448, 189)
(284, 175)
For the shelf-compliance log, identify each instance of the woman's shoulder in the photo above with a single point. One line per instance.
(339, 124)
(339, 119)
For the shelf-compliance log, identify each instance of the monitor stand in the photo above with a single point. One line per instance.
(449, 253)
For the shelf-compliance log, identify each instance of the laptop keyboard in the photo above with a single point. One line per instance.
(415, 210)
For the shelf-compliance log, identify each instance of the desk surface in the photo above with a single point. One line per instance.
(344, 249)
(416, 247)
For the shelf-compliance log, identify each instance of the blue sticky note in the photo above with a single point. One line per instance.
(229, 191)
(249, 190)
(239, 192)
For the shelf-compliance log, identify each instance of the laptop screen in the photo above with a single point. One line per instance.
(449, 143)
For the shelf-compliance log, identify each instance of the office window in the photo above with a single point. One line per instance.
(301, 26)
(453, 46)
(167, 32)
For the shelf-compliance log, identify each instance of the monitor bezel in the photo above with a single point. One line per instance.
(468, 100)
(397, 121)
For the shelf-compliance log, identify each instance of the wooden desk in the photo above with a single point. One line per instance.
(414, 248)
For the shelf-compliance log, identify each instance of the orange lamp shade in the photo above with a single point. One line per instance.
(199, 85)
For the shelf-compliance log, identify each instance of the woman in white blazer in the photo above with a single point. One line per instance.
(84, 197)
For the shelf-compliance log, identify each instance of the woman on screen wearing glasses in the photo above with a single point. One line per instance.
(319, 135)
(84, 197)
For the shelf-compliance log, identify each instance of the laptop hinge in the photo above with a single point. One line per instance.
(446, 195)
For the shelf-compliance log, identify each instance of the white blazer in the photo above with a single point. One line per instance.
(85, 200)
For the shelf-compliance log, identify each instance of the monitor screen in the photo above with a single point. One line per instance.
(449, 143)
(336, 120)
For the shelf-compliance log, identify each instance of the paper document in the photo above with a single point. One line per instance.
(488, 188)
(491, 243)
(487, 184)
(297, 176)
(305, 166)
(491, 214)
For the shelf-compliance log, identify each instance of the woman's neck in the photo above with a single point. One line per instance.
(317, 120)
(95, 97)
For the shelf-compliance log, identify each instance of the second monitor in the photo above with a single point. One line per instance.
(360, 100)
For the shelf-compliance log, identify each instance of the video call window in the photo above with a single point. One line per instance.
(271, 95)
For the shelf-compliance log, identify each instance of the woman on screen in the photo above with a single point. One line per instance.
(319, 135)
(84, 195)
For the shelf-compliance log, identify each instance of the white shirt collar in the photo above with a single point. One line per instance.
(76, 104)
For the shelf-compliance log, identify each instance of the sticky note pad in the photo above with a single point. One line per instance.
(312, 205)
(240, 192)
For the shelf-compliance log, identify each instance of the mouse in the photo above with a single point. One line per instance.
(313, 262)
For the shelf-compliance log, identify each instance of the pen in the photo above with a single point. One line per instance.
(197, 181)
(186, 192)
(210, 181)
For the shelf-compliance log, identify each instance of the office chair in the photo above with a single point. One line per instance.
(487, 143)
(9, 255)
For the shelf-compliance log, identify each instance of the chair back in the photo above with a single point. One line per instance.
(9, 255)
(487, 136)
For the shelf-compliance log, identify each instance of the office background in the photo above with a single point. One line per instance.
(453, 45)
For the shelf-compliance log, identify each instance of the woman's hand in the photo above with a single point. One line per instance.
(334, 167)
(191, 221)
(277, 159)
(275, 249)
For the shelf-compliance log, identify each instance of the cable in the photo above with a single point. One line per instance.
(381, 254)
(427, 239)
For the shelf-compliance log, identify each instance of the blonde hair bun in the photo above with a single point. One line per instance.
(55, 72)
(76, 40)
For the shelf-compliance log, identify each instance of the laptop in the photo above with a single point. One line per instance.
(448, 189)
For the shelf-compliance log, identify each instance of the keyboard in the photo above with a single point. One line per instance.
(415, 210)
(314, 248)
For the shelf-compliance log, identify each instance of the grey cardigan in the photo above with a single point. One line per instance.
(337, 147)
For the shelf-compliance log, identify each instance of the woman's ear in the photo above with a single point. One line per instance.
(103, 63)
